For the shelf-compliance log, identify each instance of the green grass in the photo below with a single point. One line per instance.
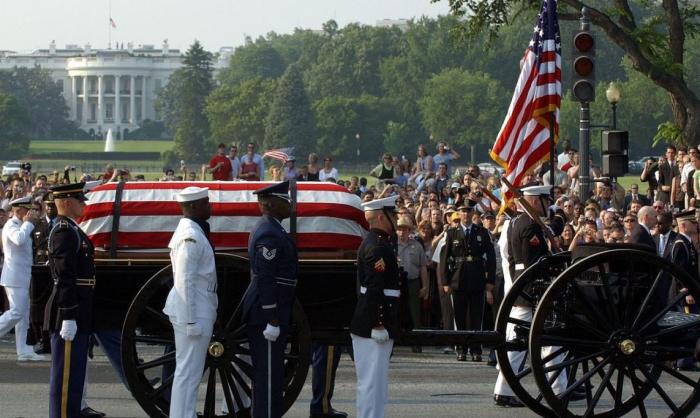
(42, 147)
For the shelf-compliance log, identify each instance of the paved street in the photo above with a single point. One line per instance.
(422, 385)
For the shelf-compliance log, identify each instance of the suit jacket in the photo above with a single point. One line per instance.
(668, 246)
(641, 236)
(193, 296)
(469, 264)
(628, 200)
(17, 245)
(273, 274)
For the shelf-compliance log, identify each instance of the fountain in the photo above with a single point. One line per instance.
(109, 142)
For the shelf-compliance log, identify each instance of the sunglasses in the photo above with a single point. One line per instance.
(630, 220)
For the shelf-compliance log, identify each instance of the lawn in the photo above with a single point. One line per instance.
(42, 147)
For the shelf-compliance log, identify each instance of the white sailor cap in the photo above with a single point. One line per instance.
(24, 202)
(192, 193)
(455, 185)
(536, 190)
(380, 204)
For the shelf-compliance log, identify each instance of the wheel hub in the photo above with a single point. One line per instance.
(216, 349)
(627, 347)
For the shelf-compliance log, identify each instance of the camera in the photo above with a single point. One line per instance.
(72, 168)
(26, 166)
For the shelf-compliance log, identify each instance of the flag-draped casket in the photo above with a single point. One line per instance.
(328, 216)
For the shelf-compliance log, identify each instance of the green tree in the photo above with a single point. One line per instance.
(15, 123)
(42, 98)
(652, 34)
(182, 103)
(291, 121)
(238, 114)
(252, 60)
(463, 108)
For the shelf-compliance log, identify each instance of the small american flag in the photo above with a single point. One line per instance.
(111, 22)
(523, 141)
(281, 154)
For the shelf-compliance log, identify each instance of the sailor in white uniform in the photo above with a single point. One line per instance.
(16, 274)
(192, 302)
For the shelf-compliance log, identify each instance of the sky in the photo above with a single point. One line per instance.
(26, 25)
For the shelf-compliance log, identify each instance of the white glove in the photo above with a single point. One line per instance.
(193, 330)
(271, 332)
(380, 335)
(68, 329)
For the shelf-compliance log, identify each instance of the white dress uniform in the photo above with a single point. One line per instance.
(192, 302)
(16, 274)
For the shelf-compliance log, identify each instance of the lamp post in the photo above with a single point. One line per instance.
(613, 96)
(357, 144)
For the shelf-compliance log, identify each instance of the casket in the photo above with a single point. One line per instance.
(143, 215)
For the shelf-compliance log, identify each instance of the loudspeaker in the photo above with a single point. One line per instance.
(615, 165)
(615, 142)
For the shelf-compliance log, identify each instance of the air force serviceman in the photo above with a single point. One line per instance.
(192, 302)
(268, 302)
(375, 323)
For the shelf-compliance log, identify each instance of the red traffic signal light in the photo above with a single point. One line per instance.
(583, 66)
(583, 41)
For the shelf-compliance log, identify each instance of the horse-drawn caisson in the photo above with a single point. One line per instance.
(601, 317)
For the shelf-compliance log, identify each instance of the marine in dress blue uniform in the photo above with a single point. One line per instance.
(68, 315)
(268, 302)
(375, 323)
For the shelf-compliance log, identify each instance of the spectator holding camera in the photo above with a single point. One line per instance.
(445, 155)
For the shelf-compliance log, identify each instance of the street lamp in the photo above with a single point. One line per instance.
(613, 96)
(357, 143)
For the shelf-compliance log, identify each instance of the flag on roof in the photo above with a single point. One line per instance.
(281, 154)
(524, 139)
(111, 22)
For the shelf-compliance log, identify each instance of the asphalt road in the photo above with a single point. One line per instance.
(431, 385)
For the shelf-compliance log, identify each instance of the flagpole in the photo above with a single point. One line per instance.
(552, 152)
(109, 26)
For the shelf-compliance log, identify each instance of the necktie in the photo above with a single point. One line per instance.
(662, 244)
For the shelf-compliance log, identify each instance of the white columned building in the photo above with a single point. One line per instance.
(108, 88)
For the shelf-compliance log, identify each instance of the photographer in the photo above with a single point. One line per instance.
(586, 233)
(445, 155)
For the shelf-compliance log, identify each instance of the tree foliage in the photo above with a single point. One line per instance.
(15, 122)
(182, 103)
(238, 113)
(290, 122)
(42, 99)
(653, 35)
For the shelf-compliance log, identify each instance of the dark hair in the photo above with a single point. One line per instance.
(222, 145)
(671, 146)
(363, 181)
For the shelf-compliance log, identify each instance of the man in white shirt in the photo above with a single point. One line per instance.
(235, 161)
(16, 274)
(192, 302)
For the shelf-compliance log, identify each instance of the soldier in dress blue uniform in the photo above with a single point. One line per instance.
(469, 263)
(324, 361)
(375, 324)
(68, 316)
(686, 256)
(268, 302)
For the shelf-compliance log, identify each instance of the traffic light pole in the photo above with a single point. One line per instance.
(584, 138)
(584, 143)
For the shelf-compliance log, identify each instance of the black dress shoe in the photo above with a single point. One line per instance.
(461, 357)
(332, 414)
(507, 401)
(41, 348)
(91, 413)
(688, 369)
(476, 358)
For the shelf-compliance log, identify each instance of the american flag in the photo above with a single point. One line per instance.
(111, 22)
(281, 154)
(523, 141)
(328, 216)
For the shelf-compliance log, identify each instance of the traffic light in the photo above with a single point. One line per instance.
(615, 145)
(583, 66)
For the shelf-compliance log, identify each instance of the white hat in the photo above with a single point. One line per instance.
(25, 202)
(455, 185)
(536, 190)
(192, 193)
(380, 204)
(89, 185)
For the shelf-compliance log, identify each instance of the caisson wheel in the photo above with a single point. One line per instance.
(608, 329)
(148, 347)
(513, 323)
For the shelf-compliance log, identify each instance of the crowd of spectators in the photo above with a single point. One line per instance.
(431, 188)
